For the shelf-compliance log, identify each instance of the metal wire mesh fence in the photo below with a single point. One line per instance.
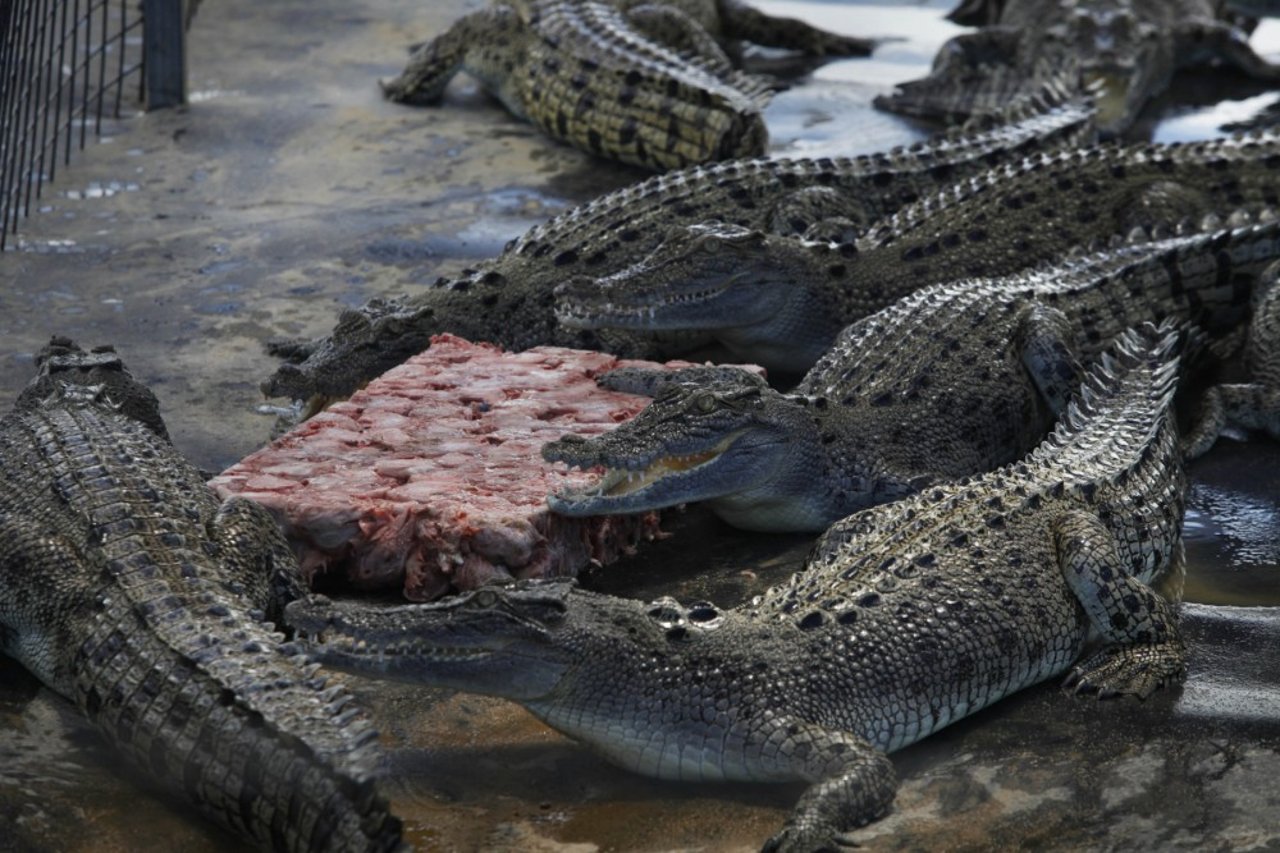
(64, 66)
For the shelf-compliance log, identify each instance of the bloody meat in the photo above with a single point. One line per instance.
(431, 478)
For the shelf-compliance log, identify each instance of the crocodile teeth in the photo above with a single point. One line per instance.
(1238, 219)
(621, 483)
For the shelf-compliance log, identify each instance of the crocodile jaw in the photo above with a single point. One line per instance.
(609, 306)
(661, 483)
(429, 644)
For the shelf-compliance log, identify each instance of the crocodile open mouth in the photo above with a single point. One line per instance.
(619, 481)
(1111, 95)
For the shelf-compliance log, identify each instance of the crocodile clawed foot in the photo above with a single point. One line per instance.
(292, 350)
(792, 840)
(1128, 671)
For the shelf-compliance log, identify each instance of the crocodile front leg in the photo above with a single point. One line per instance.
(1200, 41)
(1144, 650)
(291, 350)
(1252, 405)
(853, 784)
(481, 41)
(740, 21)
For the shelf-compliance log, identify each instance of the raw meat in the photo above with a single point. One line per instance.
(431, 478)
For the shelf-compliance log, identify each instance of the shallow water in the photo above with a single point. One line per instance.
(289, 189)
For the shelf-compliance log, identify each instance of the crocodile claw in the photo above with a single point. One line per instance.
(1127, 671)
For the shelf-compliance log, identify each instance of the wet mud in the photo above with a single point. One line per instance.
(288, 189)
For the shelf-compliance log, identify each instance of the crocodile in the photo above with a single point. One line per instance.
(780, 301)
(642, 83)
(506, 300)
(1131, 47)
(129, 589)
(905, 618)
(953, 380)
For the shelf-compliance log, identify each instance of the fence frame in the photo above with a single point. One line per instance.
(64, 64)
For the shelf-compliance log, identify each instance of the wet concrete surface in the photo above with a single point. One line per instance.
(288, 189)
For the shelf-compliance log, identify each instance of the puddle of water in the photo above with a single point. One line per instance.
(1233, 549)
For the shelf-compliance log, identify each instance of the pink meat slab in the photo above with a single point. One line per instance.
(431, 478)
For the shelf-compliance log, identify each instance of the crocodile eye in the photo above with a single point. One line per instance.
(705, 403)
(485, 598)
(710, 244)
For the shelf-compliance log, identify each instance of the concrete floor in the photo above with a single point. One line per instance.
(288, 189)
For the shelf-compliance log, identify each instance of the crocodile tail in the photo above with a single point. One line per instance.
(240, 724)
(1123, 406)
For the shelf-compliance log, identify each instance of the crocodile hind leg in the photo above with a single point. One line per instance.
(740, 21)
(853, 784)
(482, 41)
(1252, 405)
(1144, 650)
(251, 545)
(675, 29)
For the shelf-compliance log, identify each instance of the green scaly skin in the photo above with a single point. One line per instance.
(1131, 47)
(954, 380)
(508, 300)
(129, 588)
(906, 617)
(780, 301)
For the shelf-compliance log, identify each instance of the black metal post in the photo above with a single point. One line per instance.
(165, 56)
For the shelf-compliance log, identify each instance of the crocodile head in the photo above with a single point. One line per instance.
(495, 640)
(1125, 61)
(554, 647)
(94, 377)
(736, 444)
(365, 343)
(750, 289)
